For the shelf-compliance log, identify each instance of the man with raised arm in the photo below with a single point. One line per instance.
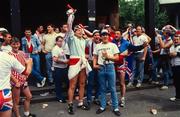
(78, 64)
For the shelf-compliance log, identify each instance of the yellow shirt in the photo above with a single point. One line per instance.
(49, 40)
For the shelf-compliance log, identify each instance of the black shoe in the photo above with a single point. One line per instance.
(99, 111)
(30, 115)
(83, 107)
(96, 101)
(117, 112)
(70, 109)
(89, 105)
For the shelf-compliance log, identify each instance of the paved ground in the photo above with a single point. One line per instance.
(138, 104)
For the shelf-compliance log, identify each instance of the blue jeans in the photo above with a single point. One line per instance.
(166, 68)
(48, 57)
(60, 76)
(36, 67)
(155, 68)
(138, 67)
(151, 62)
(93, 81)
(106, 74)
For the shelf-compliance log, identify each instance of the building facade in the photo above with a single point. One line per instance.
(17, 14)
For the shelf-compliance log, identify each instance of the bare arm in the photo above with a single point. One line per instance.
(43, 46)
(163, 45)
(88, 33)
(69, 24)
(149, 38)
(125, 34)
(13, 79)
(115, 57)
(95, 62)
(144, 53)
(28, 67)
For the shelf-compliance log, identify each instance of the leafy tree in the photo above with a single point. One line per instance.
(133, 11)
(161, 17)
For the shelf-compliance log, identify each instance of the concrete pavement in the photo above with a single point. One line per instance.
(138, 104)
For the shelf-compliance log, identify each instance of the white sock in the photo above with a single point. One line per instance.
(122, 98)
(80, 103)
(116, 109)
(26, 113)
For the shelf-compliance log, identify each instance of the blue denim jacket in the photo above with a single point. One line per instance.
(35, 43)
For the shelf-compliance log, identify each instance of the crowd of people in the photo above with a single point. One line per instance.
(80, 58)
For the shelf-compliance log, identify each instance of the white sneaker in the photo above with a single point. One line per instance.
(39, 85)
(172, 99)
(43, 82)
(164, 88)
(130, 84)
(122, 102)
(138, 85)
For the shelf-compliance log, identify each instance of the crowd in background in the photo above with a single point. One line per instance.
(77, 58)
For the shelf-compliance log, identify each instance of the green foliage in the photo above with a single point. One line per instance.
(161, 17)
(133, 11)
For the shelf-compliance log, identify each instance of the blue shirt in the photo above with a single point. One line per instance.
(123, 45)
(35, 43)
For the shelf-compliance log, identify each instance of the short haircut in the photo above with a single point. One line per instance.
(119, 31)
(15, 40)
(4, 34)
(52, 25)
(57, 38)
(27, 28)
(140, 27)
(64, 23)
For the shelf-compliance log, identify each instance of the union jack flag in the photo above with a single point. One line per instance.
(5, 100)
(124, 68)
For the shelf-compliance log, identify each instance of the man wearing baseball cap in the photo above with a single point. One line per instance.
(105, 54)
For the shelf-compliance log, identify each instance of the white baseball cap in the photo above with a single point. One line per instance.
(3, 29)
(95, 31)
(105, 31)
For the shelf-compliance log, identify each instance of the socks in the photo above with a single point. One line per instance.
(26, 113)
(80, 103)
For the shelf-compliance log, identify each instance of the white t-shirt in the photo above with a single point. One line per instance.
(58, 52)
(6, 49)
(65, 45)
(7, 63)
(110, 48)
(139, 40)
(175, 61)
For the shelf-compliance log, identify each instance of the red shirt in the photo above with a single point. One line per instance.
(30, 49)
(111, 37)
